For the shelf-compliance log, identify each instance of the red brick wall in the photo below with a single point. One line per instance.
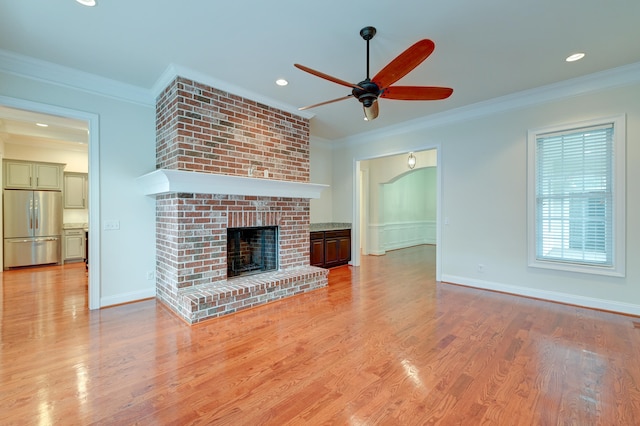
(203, 129)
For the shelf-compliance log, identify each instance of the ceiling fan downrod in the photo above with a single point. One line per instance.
(367, 34)
(367, 92)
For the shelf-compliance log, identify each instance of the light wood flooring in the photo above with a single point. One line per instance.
(382, 344)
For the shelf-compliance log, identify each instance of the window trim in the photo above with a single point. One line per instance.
(619, 203)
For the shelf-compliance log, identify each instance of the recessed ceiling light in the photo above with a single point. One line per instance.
(89, 3)
(281, 82)
(575, 57)
(42, 125)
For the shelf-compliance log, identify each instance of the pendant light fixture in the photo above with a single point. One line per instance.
(411, 161)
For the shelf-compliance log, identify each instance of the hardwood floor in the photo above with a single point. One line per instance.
(383, 344)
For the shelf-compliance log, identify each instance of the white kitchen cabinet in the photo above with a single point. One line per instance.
(75, 190)
(31, 175)
(74, 244)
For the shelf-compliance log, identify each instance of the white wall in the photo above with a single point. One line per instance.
(410, 209)
(411, 197)
(127, 150)
(483, 200)
(321, 171)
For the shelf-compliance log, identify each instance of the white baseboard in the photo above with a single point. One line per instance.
(128, 297)
(553, 296)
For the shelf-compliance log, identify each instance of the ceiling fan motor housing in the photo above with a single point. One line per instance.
(367, 92)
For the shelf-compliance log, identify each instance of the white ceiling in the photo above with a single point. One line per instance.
(484, 49)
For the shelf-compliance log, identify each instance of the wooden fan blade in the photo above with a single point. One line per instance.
(372, 112)
(416, 93)
(404, 63)
(325, 102)
(326, 76)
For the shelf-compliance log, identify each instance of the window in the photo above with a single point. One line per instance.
(576, 187)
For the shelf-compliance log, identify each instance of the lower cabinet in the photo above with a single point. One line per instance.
(316, 257)
(330, 248)
(74, 245)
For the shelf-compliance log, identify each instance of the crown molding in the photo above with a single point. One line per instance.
(48, 72)
(173, 71)
(46, 143)
(25, 66)
(608, 79)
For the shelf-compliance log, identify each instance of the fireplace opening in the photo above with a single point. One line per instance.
(251, 250)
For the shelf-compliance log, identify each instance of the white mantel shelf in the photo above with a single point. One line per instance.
(166, 181)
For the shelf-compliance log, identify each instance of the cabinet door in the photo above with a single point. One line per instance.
(74, 245)
(317, 252)
(48, 176)
(75, 191)
(17, 175)
(344, 250)
(331, 251)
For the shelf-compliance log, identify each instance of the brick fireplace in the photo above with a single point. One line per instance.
(224, 161)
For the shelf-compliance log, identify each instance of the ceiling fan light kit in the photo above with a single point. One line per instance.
(369, 90)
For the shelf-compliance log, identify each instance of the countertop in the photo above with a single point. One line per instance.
(329, 226)
(84, 226)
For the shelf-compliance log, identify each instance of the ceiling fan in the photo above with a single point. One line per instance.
(369, 90)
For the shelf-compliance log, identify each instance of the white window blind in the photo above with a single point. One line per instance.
(574, 196)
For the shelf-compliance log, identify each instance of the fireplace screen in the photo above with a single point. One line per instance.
(251, 250)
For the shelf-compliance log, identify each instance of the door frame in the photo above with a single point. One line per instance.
(93, 121)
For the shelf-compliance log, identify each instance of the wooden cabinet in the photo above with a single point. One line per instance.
(74, 244)
(330, 248)
(30, 175)
(75, 190)
(316, 257)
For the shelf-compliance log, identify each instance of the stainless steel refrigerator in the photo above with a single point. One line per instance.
(32, 227)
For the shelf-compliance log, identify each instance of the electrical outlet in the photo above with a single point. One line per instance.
(480, 268)
(111, 225)
(149, 275)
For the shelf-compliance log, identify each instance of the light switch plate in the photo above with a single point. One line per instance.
(111, 225)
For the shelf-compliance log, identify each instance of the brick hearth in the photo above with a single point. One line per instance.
(201, 129)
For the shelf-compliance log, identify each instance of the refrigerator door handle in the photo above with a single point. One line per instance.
(37, 214)
(30, 214)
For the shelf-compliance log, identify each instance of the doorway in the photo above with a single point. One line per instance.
(390, 176)
(46, 133)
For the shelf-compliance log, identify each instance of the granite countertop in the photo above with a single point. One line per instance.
(329, 226)
(75, 226)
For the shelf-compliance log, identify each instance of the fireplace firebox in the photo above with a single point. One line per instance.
(251, 250)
